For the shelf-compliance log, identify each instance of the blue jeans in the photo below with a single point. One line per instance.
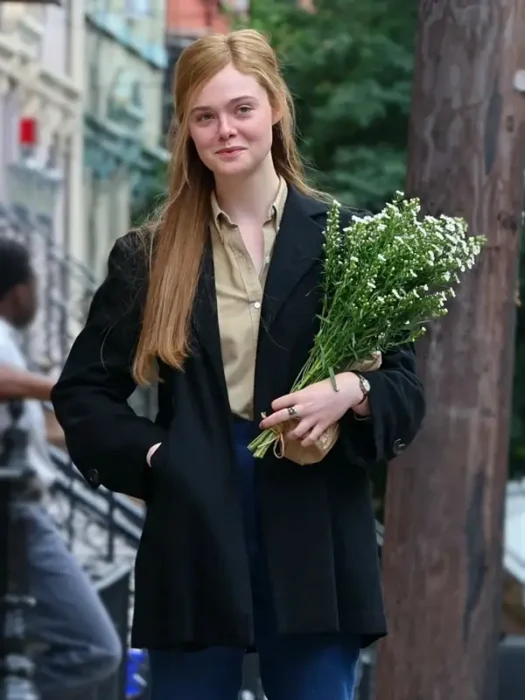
(293, 667)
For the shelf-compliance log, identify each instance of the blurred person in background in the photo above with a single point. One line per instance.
(77, 645)
(219, 299)
(21, 384)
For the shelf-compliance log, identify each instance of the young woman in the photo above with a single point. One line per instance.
(219, 299)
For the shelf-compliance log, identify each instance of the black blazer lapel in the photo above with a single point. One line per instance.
(299, 244)
(205, 318)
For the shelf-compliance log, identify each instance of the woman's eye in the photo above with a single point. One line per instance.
(244, 109)
(204, 117)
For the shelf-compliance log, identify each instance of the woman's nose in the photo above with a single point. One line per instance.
(226, 128)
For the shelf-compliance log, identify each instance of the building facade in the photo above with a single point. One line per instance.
(124, 146)
(41, 48)
(41, 150)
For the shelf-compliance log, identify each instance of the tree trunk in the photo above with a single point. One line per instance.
(445, 497)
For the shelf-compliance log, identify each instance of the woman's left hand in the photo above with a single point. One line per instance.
(316, 407)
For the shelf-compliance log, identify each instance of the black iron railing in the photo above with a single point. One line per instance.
(65, 287)
(103, 530)
(16, 666)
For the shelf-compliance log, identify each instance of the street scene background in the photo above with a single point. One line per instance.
(85, 109)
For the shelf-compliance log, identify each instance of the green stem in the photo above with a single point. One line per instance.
(259, 446)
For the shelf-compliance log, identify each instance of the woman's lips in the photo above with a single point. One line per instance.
(230, 151)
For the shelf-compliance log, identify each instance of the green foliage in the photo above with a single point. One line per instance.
(349, 68)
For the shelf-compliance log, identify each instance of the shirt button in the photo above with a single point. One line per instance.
(267, 259)
(256, 304)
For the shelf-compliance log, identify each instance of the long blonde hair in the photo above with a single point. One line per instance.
(175, 242)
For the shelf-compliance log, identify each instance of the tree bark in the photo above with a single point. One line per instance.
(445, 497)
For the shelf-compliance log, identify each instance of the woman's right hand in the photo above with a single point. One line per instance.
(151, 452)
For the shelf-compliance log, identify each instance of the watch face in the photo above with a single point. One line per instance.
(366, 385)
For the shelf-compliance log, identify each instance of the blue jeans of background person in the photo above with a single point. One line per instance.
(77, 644)
(293, 667)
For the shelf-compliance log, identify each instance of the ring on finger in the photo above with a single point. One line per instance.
(293, 412)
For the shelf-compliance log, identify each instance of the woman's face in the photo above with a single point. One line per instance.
(231, 123)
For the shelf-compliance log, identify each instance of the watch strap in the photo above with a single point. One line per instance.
(363, 388)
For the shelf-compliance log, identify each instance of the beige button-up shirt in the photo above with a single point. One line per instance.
(240, 288)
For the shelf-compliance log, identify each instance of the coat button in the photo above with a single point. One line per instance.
(398, 446)
(94, 478)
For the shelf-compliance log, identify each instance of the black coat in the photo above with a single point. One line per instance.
(192, 574)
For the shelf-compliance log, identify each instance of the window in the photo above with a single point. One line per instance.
(138, 8)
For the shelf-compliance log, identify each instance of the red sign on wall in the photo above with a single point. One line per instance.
(27, 132)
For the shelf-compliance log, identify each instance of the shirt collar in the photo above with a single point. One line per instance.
(275, 212)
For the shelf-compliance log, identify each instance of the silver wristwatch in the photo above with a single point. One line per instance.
(364, 385)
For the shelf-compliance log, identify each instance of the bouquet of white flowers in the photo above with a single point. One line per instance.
(384, 277)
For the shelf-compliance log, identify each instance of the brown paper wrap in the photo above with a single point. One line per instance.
(294, 451)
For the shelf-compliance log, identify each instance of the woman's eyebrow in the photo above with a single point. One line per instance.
(242, 98)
